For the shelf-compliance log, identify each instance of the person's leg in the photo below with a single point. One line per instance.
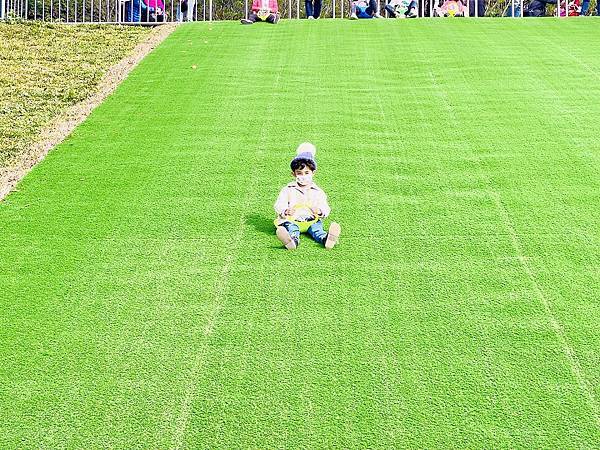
(273, 18)
(252, 17)
(537, 8)
(328, 239)
(288, 234)
(353, 10)
(317, 11)
(309, 8)
(481, 8)
(372, 8)
(585, 6)
(598, 7)
(317, 232)
(390, 10)
(191, 9)
(412, 9)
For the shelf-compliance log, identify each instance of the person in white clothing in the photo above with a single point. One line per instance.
(186, 10)
(301, 204)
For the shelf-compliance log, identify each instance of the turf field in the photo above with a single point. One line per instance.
(146, 302)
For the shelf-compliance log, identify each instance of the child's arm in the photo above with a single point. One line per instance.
(281, 205)
(322, 205)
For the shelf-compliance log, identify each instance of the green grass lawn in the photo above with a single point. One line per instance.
(146, 301)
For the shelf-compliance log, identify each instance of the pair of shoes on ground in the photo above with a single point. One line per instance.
(312, 18)
(290, 243)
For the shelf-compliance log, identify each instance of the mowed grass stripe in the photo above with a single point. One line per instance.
(246, 209)
(565, 109)
(148, 302)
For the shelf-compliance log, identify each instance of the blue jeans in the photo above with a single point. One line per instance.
(368, 11)
(313, 10)
(586, 5)
(315, 231)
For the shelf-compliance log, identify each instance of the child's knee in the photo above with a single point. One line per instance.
(292, 228)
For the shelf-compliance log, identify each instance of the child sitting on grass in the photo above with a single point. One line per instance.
(302, 204)
(263, 11)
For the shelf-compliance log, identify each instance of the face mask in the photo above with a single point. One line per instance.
(304, 180)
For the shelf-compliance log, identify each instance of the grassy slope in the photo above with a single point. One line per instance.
(48, 67)
(145, 299)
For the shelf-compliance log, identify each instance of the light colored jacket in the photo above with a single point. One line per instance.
(292, 195)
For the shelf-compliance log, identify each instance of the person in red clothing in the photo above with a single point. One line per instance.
(263, 11)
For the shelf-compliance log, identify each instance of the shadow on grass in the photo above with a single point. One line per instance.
(261, 223)
(264, 225)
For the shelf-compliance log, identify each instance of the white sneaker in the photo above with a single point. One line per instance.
(310, 18)
(353, 16)
(333, 235)
(285, 238)
(378, 16)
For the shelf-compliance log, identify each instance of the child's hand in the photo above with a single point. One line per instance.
(289, 212)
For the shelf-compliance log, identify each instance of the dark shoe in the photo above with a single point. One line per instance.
(246, 22)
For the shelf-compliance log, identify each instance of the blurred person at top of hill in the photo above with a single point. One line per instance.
(537, 8)
(364, 9)
(585, 6)
(263, 11)
(313, 9)
(402, 8)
